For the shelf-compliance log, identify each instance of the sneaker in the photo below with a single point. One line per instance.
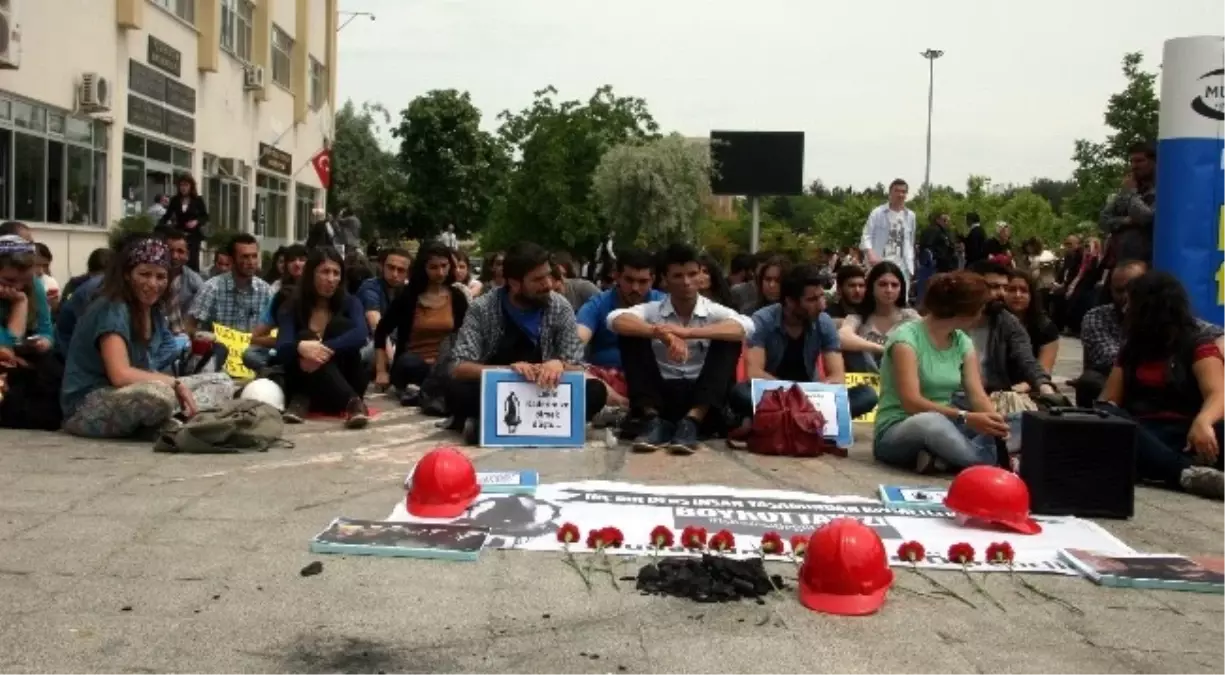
(609, 416)
(411, 396)
(357, 415)
(296, 411)
(471, 437)
(1203, 481)
(925, 463)
(659, 433)
(685, 440)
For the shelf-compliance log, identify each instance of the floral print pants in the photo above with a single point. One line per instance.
(125, 412)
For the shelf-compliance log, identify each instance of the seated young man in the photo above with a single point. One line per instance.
(789, 336)
(633, 279)
(522, 325)
(679, 355)
(1001, 341)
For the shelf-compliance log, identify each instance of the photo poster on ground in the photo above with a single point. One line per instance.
(870, 379)
(830, 399)
(235, 342)
(516, 413)
(530, 522)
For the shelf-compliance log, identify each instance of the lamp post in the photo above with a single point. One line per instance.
(931, 55)
(351, 16)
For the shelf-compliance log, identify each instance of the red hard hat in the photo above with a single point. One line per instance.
(993, 495)
(443, 484)
(845, 569)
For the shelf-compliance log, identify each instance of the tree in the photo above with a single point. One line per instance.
(453, 168)
(658, 189)
(557, 147)
(1132, 116)
(365, 177)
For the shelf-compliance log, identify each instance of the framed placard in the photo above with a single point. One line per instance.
(516, 413)
(830, 399)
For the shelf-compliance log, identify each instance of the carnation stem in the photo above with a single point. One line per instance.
(608, 567)
(1039, 592)
(568, 558)
(979, 588)
(941, 586)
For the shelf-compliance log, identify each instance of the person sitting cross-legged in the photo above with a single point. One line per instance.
(789, 336)
(521, 325)
(679, 355)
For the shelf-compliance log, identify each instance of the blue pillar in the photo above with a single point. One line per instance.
(1189, 232)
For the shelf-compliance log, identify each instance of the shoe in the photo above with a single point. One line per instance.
(296, 411)
(925, 463)
(411, 396)
(471, 436)
(1203, 481)
(685, 440)
(658, 434)
(357, 415)
(609, 416)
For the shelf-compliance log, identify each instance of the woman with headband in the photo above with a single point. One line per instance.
(110, 388)
(31, 371)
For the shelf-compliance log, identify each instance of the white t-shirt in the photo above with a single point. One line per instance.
(895, 245)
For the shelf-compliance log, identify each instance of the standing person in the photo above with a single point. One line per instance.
(1082, 292)
(1069, 267)
(322, 232)
(448, 238)
(1128, 217)
(975, 240)
(158, 208)
(999, 247)
(889, 233)
(938, 240)
(605, 254)
(188, 212)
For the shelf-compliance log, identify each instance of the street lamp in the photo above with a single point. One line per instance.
(351, 16)
(931, 55)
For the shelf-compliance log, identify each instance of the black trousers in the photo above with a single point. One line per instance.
(464, 399)
(407, 369)
(332, 386)
(193, 251)
(672, 399)
(33, 397)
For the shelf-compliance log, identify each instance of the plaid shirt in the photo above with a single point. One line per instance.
(484, 324)
(221, 301)
(1101, 336)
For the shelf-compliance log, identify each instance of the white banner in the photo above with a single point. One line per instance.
(530, 523)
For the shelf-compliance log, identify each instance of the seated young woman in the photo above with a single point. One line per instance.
(864, 333)
(1023, 300)
(26, 357)
(320, 335)
(1168, 378)
(924, 363)
(260, 354)
(431, 309)
(110, 387)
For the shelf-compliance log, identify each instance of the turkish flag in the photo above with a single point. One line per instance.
(322, 161)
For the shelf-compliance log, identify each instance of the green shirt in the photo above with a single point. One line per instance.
(939, 370)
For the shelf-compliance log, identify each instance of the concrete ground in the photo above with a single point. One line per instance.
(113, 558)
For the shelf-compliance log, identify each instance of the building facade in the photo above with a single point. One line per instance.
(105, 103)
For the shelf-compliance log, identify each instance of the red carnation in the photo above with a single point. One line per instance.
(661, 537)
(911, 551)
(568, 533)
(723, 541)
(772, 543)
(595, 539)
(1000, 553)
(612, 537)
(961, 553)
(799, 545)
(693, 537)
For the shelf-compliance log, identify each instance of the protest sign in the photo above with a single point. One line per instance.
(235, 342)
(530, 523)
(516, 413)
(870, 379)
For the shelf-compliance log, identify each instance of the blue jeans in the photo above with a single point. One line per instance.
(860, 362)
(956, 444)
(1160, 444)
(257, 358)
(1013, 419)
(862, 400)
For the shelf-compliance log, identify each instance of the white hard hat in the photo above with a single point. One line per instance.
(265, 391)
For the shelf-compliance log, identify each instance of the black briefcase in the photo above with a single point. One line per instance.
(1079, 462)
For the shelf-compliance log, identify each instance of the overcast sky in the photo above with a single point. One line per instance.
(1018, 83)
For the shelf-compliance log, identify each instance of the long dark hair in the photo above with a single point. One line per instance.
(270, 273)
(487, 266)
(1157, 323)
(719, 291)
(458, 255)
(418, 278)
(1035, 316)
(116, 287)
(287, 281)
(192, 192)
(880, 269)
(305, 296)
(783, 265)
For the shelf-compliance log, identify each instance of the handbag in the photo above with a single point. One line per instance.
(787, 424)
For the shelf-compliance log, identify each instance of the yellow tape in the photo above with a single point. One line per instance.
(235, 342)
(870, 379)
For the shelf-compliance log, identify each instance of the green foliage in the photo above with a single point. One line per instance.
(366, 178)
(453, 167)
(138, 224)
(657, 189)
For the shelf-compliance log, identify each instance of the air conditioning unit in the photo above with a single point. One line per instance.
(10, 35)
(211, 165)
(254, 78)
(94, 94)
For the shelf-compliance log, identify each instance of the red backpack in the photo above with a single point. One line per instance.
(786, 423)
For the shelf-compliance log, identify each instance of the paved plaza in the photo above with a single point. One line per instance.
(113, 558)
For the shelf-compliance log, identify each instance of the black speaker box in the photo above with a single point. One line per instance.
(1079, 462)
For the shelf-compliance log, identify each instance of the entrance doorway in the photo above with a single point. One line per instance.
(159, 180)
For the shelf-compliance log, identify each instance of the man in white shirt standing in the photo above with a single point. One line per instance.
(449, 239)
(890, 231)
(679, 356)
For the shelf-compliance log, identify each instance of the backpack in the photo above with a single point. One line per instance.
(240, 425)
(786, 423)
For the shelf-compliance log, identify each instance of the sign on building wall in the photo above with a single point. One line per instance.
(165, 57)
(275, 159)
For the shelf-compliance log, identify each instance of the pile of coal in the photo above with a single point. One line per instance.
(708, 579)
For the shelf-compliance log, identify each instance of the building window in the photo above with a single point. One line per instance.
(150, 169)
(227, 194)
(184, 9)
(282, 57)
(47, 166)
(306, 198)
(236, 21)
(274, 192)
(319, 84)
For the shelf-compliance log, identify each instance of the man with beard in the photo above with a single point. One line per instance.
(631, 286)
(789, 336)
(185, 282)
(522, 325)
(234, 299)
(1128, 217)
(1002, 344)
(680, 356)
(851, 287)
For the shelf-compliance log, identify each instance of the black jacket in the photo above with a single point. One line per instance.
(318, 235)
(179, 217)
(403, 311)
(976, 245)
(1009, 357)
(939, 242)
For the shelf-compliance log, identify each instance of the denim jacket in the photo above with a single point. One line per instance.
(769, 334)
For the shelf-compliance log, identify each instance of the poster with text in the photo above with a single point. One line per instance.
(516, 413)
